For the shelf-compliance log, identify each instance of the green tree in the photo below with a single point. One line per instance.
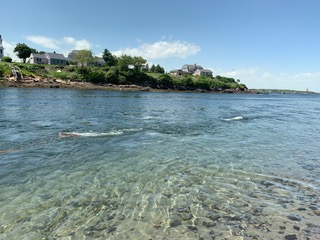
(153, 68)
(84, 57)
(138, 62)
(159, 69)
(126, 62)
(110, 59)
(23, 51)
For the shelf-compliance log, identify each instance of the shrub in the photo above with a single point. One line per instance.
(165, 81)
(1, 71)
(203, 83)
(6, 59)
(96, 76)
(112, 75)
(60, 75)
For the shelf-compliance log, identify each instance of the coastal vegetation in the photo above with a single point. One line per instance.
(121, 74)
(123, 70)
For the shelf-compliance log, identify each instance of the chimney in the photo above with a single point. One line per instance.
(195, 66)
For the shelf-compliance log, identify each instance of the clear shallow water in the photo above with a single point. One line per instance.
(158, 165)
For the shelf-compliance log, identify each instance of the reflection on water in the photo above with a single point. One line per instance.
(176, 170)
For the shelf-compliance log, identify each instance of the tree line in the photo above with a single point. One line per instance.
(127, 70)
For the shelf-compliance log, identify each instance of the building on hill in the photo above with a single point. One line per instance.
(56, 58)
(179, 73)
(203, 72)
(72, 55)
(98, 61)
(191, 69)
(1, 49)
(36, 58)
(48, 58)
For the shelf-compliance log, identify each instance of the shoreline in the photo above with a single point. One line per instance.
(69, 84)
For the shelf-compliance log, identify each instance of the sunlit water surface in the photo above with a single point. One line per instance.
(135, 165)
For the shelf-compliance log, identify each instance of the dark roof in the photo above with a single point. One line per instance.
(204, 70)
(56, 56)
(72, 54)
(192, 65)
(37, 55)
(175, 70)
(75, 51)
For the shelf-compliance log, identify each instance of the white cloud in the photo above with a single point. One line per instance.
(8, 49)
(69, 40)
(65, 45)
(77, 44)
(260, 78)
(43, 41)
(161, 50)
(307, 76)
(236, 73)
(51, 43)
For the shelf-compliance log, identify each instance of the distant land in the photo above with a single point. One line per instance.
(281, 91)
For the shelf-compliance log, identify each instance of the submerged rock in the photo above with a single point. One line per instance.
(175, 223)
(291, 237)
(193, 229)
(294, 217)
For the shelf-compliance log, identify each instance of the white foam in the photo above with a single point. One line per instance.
(237, 118)
(97, 134)
(132, 129)
(90, 134)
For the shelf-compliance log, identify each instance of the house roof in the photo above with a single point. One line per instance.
(192, 65)
(75, 51)
(99, 59)
(175, 70)
(37, 55)
(56, 56)
(72, 53)
(204, 70)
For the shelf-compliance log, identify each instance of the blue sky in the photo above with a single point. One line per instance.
(264, 43)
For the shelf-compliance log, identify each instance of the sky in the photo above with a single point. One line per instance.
(270, 44)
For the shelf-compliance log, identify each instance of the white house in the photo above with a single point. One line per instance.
(36, 58)
(72, 54)
(191, 69)
(203, 72)
(56, 58)
(48, 58)
(179, 73)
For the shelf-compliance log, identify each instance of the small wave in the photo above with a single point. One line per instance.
(89, 134)
(237, 118)
(97, 134)
(132, 129)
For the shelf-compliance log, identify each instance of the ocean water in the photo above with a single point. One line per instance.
(84, 164)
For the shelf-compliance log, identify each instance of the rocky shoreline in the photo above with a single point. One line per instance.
(69, 84)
